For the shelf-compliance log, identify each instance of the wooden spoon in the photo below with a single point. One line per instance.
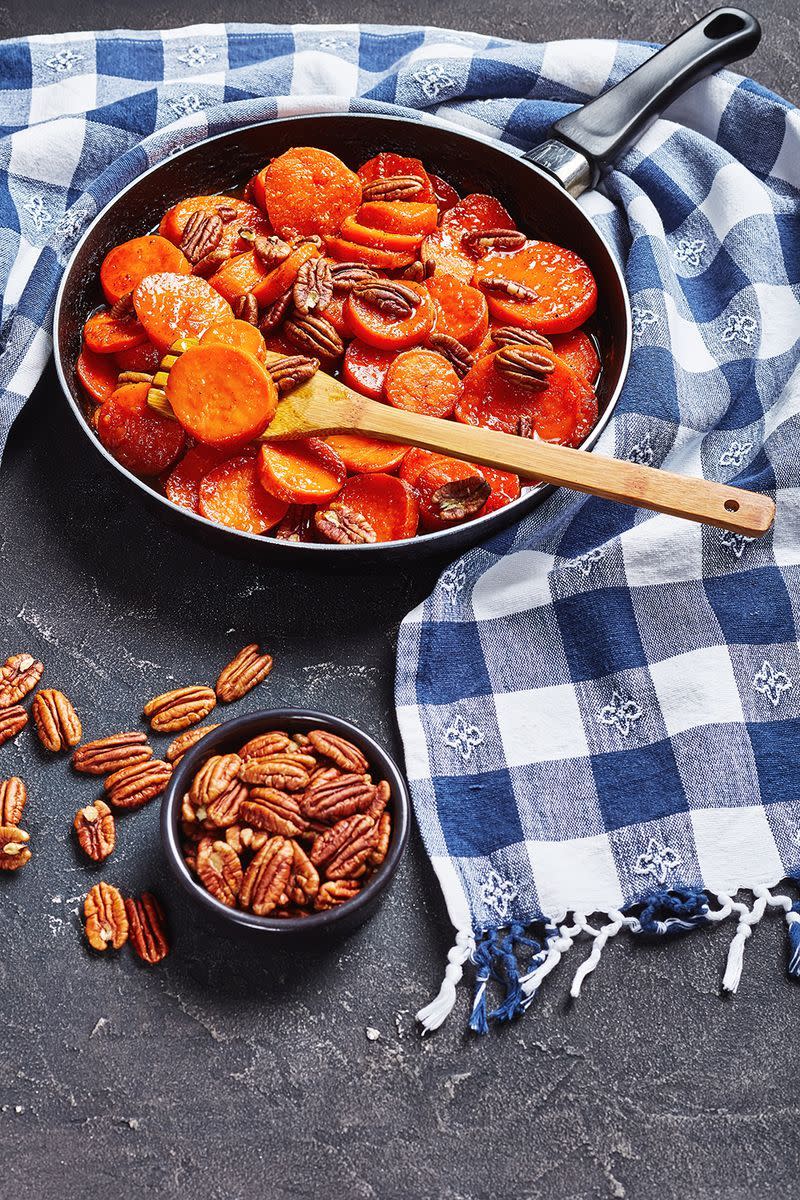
(324, 405)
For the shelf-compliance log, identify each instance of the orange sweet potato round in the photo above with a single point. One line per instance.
(308, 191)
(171, 306)
(221, 395)
(130, 262)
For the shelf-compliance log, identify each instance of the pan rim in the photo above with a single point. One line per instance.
(429, 539)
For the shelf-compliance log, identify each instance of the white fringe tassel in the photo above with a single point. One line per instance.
(557, 948)
(747, 919)
(601, 936)
(436, 1013)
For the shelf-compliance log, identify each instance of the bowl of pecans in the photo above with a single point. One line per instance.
(286, 822)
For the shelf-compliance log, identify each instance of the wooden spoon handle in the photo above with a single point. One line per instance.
(614, 479)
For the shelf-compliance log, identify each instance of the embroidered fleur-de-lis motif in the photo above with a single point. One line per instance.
(497, 893)
(332, 43)
(735, 455)
(197, 56)
(184, 106)
(434, 80)
(463, 737)
(585, 562)
(38, 211)
(690, 251)
(735, 542)
(642, 317)
(657, 860)
(772, 683)
(453, 580)
(64, 61)
(622, 712)
(739, 326)
(642, 452)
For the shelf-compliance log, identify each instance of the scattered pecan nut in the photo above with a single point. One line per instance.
(303, 883)
(12, 720)
(105, 916)
(510, 288)
(509, 335)
(525, 426)
(313, 286)
(184, 741)
(336, 892)
(14, 852)
(57, 723)
(219, 870)
(19, 675)
(147, 928)
(347, 275)
(108, 754)
(244, 672)
(280, 771)
(290, 371)
(526, 366)
(314, 334)
(297, 525)
(456, 354)
(337, 798)
(395, 300)
(13, 798)
(202, 233)
(343, 849)
(134, 377)
(339, 750)
(245, 308)
(265, 744)
(481, 241)
(274, 313)
(379, 851)
(271, 250)
(266, 878)
(382, 796)
(419, 270)
(461, 498)
(273, 811)
(180, 708)
(212, 262)
(344, 525)
(138, 784)
(95, 829)
(218, 791)
(393, 187)
(122, 309)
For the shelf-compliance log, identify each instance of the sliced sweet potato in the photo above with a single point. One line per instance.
(415, 462)
(489, 399)
(386, 502)
(172, 306)
(385, 260)
(231, 495)
(307, 471)
(399, 216)
(379, 239)
(461, 310)
(449, 492)
(375, 328)
(564, 288)
(104, 334)
(97, 374)
(238, 275)
(446, 246)
(221, 395)
(578, 351)
(387, 165)
(422, 381)
(505, 487)
(275, 282)
(130, 262)
(309, 191)
(446, 195)
(236, 333)
(182, 485)
(144, 357)
(139, 438)
(363, 455)
(364, 368)
(246, 215)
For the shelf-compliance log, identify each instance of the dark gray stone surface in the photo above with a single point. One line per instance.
(234, 1072)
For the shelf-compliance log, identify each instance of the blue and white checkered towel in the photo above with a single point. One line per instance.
(600, 710)
(601, 707)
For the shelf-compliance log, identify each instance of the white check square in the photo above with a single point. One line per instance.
(576, 875)
(735, 848)
(698, 688)
(540, 725)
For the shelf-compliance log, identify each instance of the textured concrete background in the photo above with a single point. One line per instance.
(231, 1072)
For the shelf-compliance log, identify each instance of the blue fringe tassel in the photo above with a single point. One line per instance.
(668, 913)
(793, 964)
(498, 960)
(512, 1004)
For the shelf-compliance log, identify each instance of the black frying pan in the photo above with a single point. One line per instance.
(539, 189)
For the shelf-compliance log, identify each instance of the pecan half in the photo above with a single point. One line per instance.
(311, 239)
(108, 754)
(273, 742)
(274, 811)
(122, 309)
(343, 849)
(347, 275)
(57, 723)
(297, 525)
(481, 241)
(266, 878)
(344, 525)
(271, 250)
(509, 287)
(14, 852)
(303, 882)
(147, 928)
(456, 354)
(212, 262)
(525, 427)
(184, 741)
(280, 771)
(418, 270)
(219, 870)
(12, 720)
(13, 797)
(134, 377)
(106, 919)
(244, 672)
(245, 308)
(344, 754)
(314, 334)
(201, 234)
(336, 892)
(395, 300)
(461, 498)
(133, 786)
(509, 335)
(292, 370)
(383, 794)
(379, 851)
(337, 798)
(526, 366)
(313, 286)
(274, 313)
(180, 708)
(218, 791)
(19, 675)
(95, 829)
(393, 187)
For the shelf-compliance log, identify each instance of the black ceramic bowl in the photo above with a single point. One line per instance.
(228, 737)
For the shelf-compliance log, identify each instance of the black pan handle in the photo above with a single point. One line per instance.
(605, 128)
